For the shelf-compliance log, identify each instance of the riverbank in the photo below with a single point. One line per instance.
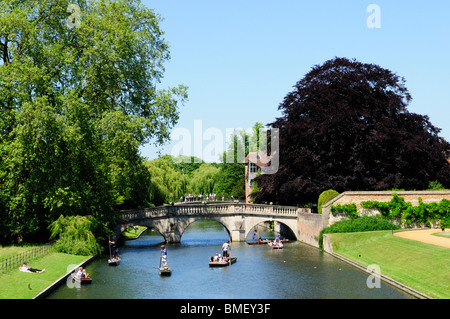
(23, 285)
(421, 266)
(133, 232)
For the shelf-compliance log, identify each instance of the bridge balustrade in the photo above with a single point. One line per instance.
(207, 209)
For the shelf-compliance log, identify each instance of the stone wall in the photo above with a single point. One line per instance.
(380, 196)
(309, 227)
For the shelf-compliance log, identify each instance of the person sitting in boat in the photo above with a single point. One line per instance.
(81, 273)
(216, 258)
(165, 267)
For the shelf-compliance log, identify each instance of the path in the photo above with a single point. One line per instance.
(425, 236)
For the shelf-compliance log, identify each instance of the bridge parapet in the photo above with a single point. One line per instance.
(209, 209)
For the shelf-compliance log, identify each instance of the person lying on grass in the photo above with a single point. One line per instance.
(26, 268)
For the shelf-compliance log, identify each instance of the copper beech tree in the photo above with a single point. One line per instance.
(345, 126)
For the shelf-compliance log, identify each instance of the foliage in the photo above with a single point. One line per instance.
(364, 223)
(204, 179)
(325, 197)
(360, 224)
(174, 177)
(421, 214)
(255, 188)
(76, 104)
(435, 186)
(75, 235)
(231, 180)
(348, 209)
(345, 126)
(232, 176)
(186, 164)
(168, 182)
(382, 207)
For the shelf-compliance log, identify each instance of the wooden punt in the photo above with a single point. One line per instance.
(264, 242)
(165, 271)
(259, 242)
(114, 262)
(222, 263)
(81, 280)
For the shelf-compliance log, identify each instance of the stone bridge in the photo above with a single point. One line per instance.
(238, 219)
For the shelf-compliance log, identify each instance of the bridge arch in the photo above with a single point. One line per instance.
(284, 229)
(237, 219)
(193, 220)
(148, 223)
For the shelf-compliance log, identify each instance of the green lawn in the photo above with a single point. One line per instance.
(423, 267)
(132, 233)
(8, 251)
(442, 234)
(20, 285)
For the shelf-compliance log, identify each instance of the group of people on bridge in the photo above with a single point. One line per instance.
(199, 197)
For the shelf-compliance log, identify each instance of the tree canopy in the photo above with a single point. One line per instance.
(345, 126)
(76, 102)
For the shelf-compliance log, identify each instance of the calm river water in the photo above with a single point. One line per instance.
(297, 271)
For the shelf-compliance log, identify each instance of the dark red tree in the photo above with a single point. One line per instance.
(346, 126)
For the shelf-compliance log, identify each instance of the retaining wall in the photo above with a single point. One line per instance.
(309, 227)
(380, 196)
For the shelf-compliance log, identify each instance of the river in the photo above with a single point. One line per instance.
(297, 271)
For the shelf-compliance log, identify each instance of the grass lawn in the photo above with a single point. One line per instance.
(20, 285)
(423, 267)
(8, 251)
(131, 232)
(442, 234)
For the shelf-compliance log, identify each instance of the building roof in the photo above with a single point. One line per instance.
(261, 159)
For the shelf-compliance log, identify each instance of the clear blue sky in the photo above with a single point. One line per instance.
(240, 58)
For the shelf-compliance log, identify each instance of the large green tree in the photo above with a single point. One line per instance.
(168, 182)
(78, 96)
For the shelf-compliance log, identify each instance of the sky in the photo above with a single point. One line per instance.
(241, 58)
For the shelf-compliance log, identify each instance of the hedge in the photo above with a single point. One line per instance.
(357, 224)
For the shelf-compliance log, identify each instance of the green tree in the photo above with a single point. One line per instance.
(231, 179)
(204, 179)
(75, 235)
(76, 102)
(168, 183)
